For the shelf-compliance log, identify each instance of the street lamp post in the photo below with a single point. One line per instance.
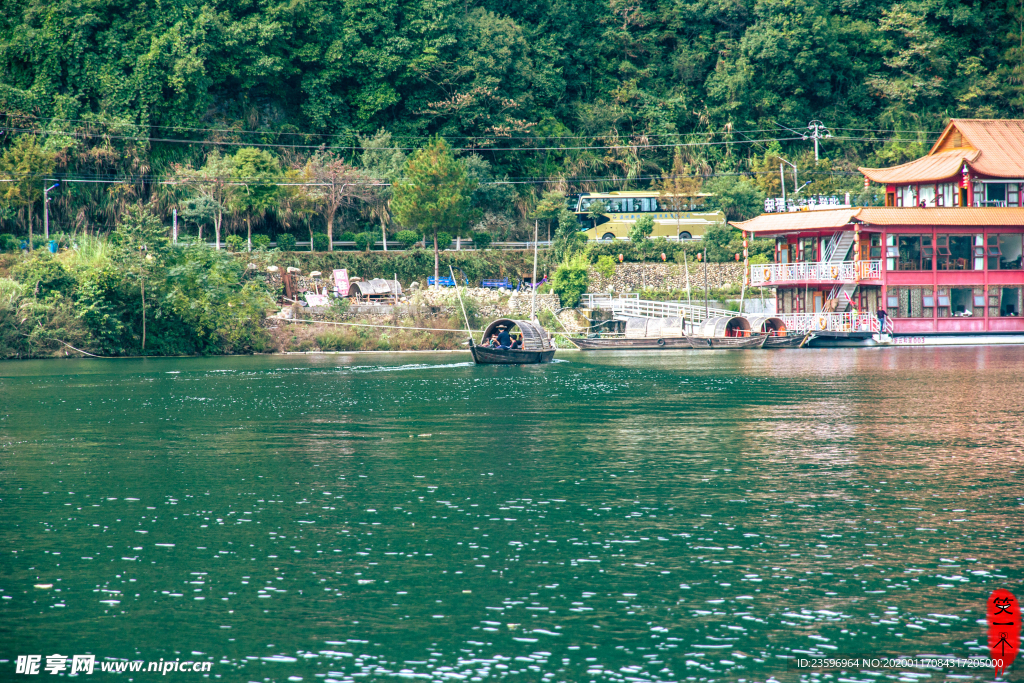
(46, 210)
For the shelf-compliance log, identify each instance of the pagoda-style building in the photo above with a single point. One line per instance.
(944, 258)
(975, 162)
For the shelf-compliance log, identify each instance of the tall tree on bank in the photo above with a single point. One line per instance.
(257, 171)
(338, 184)
(25, 165)
(549, 208)
(435, 193)
(679, 190)
(383, 162)
(213, 183)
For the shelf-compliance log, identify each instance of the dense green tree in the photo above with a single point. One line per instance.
(258, 172)
(434, 194)
(23, 168)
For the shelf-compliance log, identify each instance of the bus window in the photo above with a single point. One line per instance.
(585, 204)
(614, 206)
(646, 204)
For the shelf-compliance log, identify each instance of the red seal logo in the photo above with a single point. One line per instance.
(1003, 628)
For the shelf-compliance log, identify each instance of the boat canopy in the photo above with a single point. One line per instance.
(642, 328)
(725, 326)
(767, 323)
(535, 338)
(377, 287)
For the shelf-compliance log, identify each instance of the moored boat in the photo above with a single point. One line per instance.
(536, 344)
(640, 344)
(752, 342)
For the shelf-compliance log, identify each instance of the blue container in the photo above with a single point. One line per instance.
(53, 246)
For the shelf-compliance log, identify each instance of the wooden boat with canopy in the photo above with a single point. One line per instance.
(778, 336)
(641, 334)
(726, 332)
(537, 346)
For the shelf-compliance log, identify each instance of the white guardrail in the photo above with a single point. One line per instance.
(633, 306)
(831, 322)
(822, 271)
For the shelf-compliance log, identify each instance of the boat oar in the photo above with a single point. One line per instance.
(469, 330)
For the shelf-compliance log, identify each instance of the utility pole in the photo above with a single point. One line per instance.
(796, 180)
(818, 132)
(782, 179)
(46, 209)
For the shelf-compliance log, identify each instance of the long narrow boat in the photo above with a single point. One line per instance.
(638, 344)
(754, 341)
(537, 346)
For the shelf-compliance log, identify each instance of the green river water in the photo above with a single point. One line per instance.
(646, 517)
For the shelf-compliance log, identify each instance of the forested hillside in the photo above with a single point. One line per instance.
(576, 92)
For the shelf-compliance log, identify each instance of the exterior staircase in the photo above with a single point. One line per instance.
(835, 252)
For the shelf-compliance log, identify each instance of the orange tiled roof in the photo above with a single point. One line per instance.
(1001, 143)
(833, 219)
(930, 168)
(990, 147)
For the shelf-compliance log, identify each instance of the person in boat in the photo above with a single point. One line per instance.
(492, 343)
(504, 339)
(517, 343)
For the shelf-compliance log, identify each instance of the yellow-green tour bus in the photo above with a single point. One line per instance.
(673, 220)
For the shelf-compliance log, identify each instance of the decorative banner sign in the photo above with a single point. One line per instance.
(341, 283)
(1003, 627)
(811, 202)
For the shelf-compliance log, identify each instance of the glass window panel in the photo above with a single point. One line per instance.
(1010, 251)
(1010, 302)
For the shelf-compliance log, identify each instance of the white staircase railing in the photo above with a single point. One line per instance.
(822, 271)
(632, 306)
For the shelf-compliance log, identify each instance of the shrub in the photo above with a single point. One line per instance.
(9, 242)
(759, 259)
(261, 241)
(605, 266)
(43, 275)
(481, 240)
(571, 280)
(320, 241)
(444, 240)
(347, 237)
(408, 238)
(286, 242)
(235, 242)
(365, 241)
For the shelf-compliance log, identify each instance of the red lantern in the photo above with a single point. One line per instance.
(700, 256)
(621, 258)
(663, 257)
(737, 257)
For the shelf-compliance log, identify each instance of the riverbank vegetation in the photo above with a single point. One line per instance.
(298, 120)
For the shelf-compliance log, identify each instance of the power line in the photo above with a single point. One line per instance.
(232, 143)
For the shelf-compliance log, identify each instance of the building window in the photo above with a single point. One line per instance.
(910, 302)
(808, 249)
(967, 302)
(1004, 302)
(892, 252)
(1004, 252)
(905, 196)
(947, 195)
(1012, 194)
(915, 252)
(995, 194)
(960, 252)
(943, 302)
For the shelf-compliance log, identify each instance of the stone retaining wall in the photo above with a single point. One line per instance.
(633, 277)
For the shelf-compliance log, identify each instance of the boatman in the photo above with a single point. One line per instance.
(881, 320)
(504, 338)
